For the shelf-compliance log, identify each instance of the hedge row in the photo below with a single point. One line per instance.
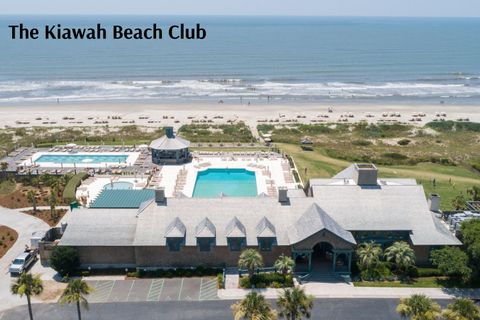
(72, 185)
(267, 280)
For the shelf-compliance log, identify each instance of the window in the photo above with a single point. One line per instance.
(205, 244)
(236, 244)
(266, 244)
(174, 244)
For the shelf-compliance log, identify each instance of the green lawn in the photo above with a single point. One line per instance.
(7, 187)
(450, 180)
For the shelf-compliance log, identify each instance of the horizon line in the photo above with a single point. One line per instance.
(236, 15)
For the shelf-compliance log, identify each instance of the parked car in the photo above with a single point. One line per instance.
(22, 262)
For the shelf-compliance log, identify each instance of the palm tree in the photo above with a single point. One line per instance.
(253, 307)
(32, 197)
(53, 202)
(75, 292)
(250, 259)
(401, 254)
(418, 307)
(27, 285)
(284, 264)
(368, 255)
(461, 309)
(295, 304)
(4, 167)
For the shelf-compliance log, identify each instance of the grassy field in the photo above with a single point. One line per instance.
(450, 180)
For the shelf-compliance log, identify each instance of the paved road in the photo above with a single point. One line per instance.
(25, 225)
(331, 309)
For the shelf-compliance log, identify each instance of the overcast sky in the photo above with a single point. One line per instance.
(426, 8)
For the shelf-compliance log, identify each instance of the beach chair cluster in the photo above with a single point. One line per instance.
(202, 165)
(181, 180)
(287, 172)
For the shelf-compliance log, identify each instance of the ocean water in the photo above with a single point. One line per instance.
(254, 58)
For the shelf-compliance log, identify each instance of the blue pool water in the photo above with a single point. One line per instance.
(119, 185)
(232, 182)
(82, 158)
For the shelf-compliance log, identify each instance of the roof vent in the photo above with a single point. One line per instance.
(365, 174)
(434, 202)
(160, 196)
(283, 195)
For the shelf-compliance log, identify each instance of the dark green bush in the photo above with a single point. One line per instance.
(362, 143)
(267, 280)
(429, 272)
(404, 142)
(64, 260)
(395, 156)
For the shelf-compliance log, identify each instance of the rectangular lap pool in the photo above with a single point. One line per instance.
(231, 182)
(82, 158)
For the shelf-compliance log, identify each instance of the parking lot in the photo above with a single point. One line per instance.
(185, 289)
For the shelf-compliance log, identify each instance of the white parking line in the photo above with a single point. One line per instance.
(180, 291)
(130, 290)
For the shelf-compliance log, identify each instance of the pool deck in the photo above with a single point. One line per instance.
(271, 172)
(22, 161)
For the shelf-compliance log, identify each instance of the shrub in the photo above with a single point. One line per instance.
(451, 261)
(380, 272)
(264, 280)
(220, 283)
(403, 142)
(395, 156)
(362, 143)
(64, 260)
(429, 272)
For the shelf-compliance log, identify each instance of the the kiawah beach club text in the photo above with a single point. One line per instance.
(116, 32)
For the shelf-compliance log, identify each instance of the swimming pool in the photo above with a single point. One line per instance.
(119, 185)
(231, 182)
(82, 158)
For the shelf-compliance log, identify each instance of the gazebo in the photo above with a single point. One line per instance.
(170, 149)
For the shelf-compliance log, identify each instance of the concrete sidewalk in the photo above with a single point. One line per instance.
(344, 290)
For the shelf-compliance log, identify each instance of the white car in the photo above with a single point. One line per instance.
(22, 262)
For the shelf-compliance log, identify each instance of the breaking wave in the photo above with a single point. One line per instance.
(216, 89)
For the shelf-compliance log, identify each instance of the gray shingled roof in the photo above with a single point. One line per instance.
(314, 220)
(176, 229)
(166, 143)
(339, 206)
(100, 227)
(205, 229)
(265, 229)
(235, 229)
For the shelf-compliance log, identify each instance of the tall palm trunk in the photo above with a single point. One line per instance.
(29, 307)
(78, 311)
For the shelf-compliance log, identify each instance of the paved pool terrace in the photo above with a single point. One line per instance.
(154, 290)
(138, 160)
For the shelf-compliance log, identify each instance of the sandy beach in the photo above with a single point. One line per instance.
(176, 114)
